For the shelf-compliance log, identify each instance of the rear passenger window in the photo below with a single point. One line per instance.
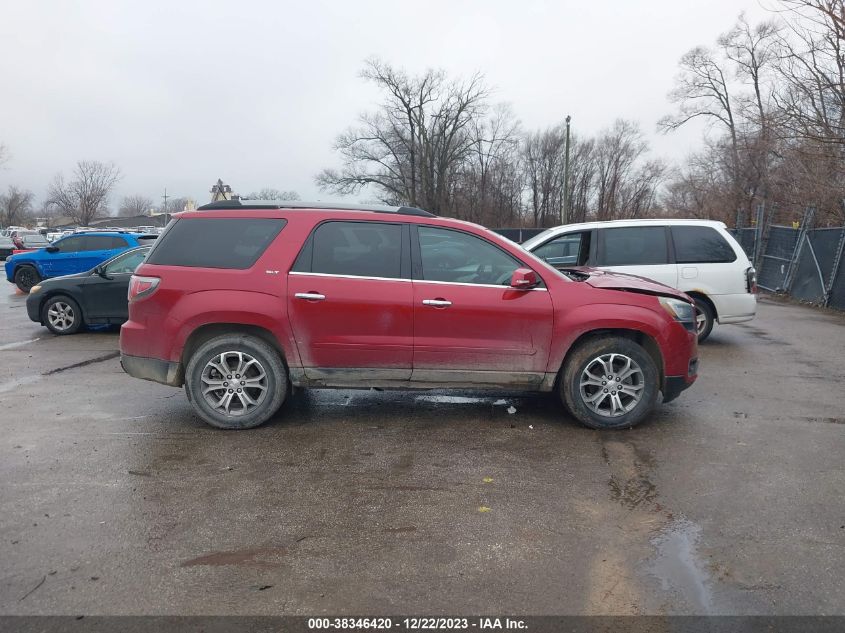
(103, 242)
(701, 245)
(635, 245)
(235, 243)
(362, 249)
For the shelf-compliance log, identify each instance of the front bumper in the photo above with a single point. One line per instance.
(33, 307)
(674, 385)
(154, 369)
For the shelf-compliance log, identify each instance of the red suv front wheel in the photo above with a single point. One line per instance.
(609, 382)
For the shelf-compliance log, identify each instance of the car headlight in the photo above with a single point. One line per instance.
(35, 289)
(680, 310)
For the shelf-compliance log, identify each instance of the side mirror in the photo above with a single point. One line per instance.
(524, 279)
(101, 271)
(52, 249)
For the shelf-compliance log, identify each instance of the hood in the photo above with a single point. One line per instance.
(50, 280)
(608, 280)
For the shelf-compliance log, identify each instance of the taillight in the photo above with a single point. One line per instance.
(751, 280)
(142, 286)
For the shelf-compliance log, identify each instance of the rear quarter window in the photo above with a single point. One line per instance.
(234, 243)
(701, 245)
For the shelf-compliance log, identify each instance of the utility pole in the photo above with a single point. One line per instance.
(564, 212)
(165, 196)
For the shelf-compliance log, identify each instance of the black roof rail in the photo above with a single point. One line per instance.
(298, 204)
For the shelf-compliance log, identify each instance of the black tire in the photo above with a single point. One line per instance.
(26, 277)
(275, 387)
(703, 310)
(66, 317)
(585, 356)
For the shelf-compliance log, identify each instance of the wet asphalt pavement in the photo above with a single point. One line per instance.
(115, 499)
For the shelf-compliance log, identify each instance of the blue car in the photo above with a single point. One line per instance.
(70, 255)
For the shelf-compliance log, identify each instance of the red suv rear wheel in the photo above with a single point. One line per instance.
(236, 381)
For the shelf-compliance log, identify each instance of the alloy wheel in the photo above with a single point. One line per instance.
(611, 385)
(61, 316)
(234, 383)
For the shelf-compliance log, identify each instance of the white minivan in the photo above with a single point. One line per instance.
(698, 257)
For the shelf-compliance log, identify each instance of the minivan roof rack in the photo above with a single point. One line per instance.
(298, 204)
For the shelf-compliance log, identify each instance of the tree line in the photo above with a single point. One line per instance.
(84, 196)
(772, 95)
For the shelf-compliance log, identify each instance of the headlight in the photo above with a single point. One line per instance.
(680, 310)
(35, 289)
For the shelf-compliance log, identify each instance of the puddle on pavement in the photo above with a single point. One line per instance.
(678, 567)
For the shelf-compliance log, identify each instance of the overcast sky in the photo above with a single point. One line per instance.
(179, 94)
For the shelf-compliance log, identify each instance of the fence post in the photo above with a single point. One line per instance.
(837, 261)
(758, 236)
(806, 221)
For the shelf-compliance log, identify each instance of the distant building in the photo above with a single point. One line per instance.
(131, 222)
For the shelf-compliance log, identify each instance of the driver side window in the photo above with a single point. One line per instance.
(569, 249)
(458, 257)
(71, 244)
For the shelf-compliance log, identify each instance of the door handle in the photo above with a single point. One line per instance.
(310, 296)
(437, 303)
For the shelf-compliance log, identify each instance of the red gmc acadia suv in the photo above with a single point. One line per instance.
(240, 300)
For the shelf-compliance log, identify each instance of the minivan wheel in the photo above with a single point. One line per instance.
(609, 382)
(26, 277)
(236, 381)
(61, 315)
(703, 318)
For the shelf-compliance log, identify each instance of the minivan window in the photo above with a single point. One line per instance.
(634, 245)
(361, 249)
(458, 257)
(701, 245)
(234, 243)
(571, 249)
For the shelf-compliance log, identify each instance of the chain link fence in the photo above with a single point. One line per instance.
(806, 264)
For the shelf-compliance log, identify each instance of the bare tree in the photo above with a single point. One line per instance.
(811, 101)
(267, 193)
(754, 51)
(702, 91)
(177, 205)
(15, 206)
(485, 180)
(85, 197)
(135, 205)
(625, 186)
(410, 150)
(4, 154)
(543, 162)
(582, 172)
